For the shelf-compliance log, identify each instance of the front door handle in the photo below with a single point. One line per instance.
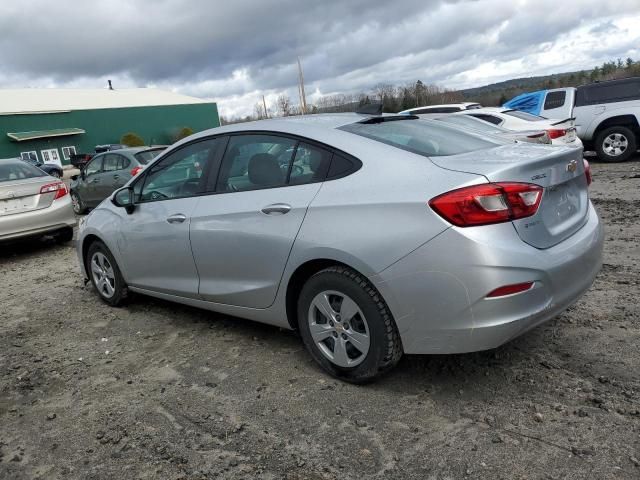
(276, 208)
(177, 218)
(116, 176)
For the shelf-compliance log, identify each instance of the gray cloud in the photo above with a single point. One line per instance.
(232, 50)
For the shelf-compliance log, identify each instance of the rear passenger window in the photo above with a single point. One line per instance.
(310, 164)
(255, 161)
(554, 100)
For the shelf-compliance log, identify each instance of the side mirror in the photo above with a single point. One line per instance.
(74, 177)
(124, 198)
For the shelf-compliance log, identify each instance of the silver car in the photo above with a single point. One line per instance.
(107, 172)
(32, 203)
(480, 126)
(370, 235)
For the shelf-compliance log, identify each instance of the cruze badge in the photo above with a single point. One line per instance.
(572, 166)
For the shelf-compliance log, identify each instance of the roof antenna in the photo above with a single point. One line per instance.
(110, 86)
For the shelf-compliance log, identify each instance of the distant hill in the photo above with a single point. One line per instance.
(525, 83)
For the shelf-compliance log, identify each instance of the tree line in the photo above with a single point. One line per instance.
(416, 94)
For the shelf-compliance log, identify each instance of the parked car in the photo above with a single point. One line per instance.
(607, 114)
(394, 235)
(561, 132)
(447, 108)
(33, 203)
(486, 128)
(107, 172)
(52, 169)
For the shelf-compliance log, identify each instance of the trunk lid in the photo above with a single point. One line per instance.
(20, 196)
(559, 170)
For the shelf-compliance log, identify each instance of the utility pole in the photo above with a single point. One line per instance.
(266, 112)
(303, 99)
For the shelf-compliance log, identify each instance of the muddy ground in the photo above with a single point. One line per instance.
(157, 390)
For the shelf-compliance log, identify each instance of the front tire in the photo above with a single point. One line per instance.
(346, 325)
(105, 275)
(616, 144)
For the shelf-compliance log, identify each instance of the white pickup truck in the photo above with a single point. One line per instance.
(607, 114)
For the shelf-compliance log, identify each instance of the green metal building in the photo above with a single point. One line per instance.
(55, 123)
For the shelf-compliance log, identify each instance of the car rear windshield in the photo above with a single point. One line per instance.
(147, 155)
(421, 137)
(18, 170)
(524, 116)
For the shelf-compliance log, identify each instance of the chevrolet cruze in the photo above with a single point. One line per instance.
(373, 236)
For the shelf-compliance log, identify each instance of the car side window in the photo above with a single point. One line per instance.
(310, 164)
(255, 161)
(123, 162)
(110, 163)
(94, 166)
(180, 174)
(554, 99)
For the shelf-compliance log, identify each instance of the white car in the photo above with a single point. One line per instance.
(561, 132)
(448, 108)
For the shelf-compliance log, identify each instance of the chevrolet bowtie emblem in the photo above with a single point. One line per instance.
(10, 194)
(572, 166)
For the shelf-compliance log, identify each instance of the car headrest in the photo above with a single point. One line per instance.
(264, 170)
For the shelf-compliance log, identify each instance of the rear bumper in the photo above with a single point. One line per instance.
(437, 293)
(38, 222)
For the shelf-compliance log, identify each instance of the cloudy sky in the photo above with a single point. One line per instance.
(236, 51)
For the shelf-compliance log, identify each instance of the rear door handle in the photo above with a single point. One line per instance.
(116, 176)
(177, 218)
(276, 208)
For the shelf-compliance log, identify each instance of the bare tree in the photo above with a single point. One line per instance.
(284, 105)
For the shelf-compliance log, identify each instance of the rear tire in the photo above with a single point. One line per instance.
(616, 144)
(105, 275)
(346, 326)
(78, 204)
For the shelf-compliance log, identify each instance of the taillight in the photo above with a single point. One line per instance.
(59, 187)
(556, 133)
(136, 170)
(510, 289)
(489, 203)
(587, 171)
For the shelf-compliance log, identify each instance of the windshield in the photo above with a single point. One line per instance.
(421, 137)
(524, 115)
(470, 122)
(18, 170)
(148, 155)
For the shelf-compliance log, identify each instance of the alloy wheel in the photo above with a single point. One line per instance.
(75, 203)
(339, 328)
(615, 144)
(103, 276)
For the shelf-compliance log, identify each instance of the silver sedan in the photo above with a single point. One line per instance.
(370, 235)
(32, 203)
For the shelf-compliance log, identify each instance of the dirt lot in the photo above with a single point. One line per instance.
(156, 390)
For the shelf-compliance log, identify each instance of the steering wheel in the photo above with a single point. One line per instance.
(155, 195)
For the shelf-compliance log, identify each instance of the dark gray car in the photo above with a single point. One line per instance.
(107, 172)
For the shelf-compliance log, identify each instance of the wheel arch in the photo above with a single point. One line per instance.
(629, 121)
(299, 277)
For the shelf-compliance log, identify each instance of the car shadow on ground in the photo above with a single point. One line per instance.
(446, 373)
(31, 247)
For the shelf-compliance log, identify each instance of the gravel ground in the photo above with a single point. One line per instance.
(157, 390)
